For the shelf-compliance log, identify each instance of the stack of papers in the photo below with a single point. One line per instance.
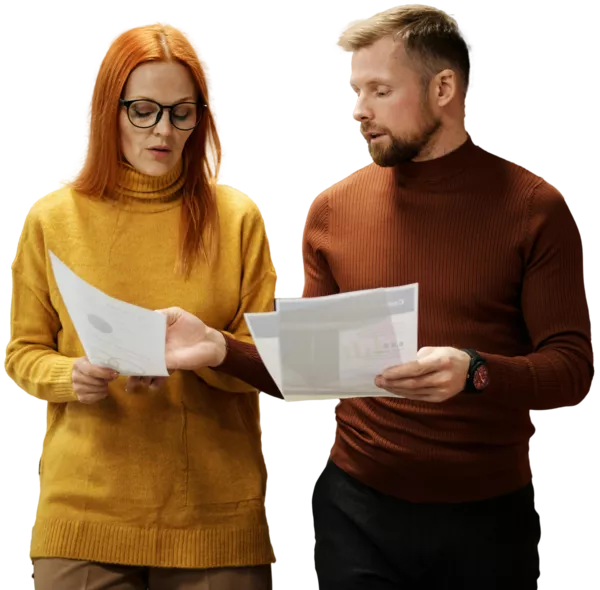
(321, 348)
(333, 347)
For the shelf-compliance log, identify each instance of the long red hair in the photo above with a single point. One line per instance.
(98, 178)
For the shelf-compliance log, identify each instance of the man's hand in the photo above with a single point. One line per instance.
(438, 374)
(190, 345)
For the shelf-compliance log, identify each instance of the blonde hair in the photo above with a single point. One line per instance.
(431, 38)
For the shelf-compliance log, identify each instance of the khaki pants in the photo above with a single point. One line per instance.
(68, 574)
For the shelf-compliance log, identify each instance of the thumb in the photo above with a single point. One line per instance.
(172, 314)
(425, 352)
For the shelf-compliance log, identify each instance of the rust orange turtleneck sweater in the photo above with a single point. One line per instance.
(498, 255)
(498, 259)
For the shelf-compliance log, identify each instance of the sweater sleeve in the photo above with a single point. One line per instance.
(318, 278)
(559, 371)
(242, 359)
(32, 357)
(243, 371)
(244, 362)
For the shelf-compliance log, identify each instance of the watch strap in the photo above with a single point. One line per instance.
(476, 361)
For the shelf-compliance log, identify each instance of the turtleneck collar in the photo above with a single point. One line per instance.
(141, 192)
(446, 169)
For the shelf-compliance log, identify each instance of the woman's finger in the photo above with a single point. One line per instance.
(158, 382)
(132, 384)
(135, 383)
(83, 379)
(91, 398)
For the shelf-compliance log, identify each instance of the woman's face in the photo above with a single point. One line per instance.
(157, 149)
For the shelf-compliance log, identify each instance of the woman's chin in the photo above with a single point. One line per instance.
(155, 168)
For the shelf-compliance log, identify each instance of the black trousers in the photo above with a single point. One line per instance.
(366, 540)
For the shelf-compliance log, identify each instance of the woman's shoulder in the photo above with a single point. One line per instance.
(233, 202)
(54, 205)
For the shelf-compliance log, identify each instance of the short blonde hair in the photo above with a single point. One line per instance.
(431, 38)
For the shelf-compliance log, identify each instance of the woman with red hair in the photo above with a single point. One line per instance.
(146, 484)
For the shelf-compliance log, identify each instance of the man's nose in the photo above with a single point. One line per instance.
(360, 112)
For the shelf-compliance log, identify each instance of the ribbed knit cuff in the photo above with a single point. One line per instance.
(243, 362)
(516, 382)
(61, 380)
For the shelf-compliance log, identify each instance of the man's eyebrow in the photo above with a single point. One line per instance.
(373, 82)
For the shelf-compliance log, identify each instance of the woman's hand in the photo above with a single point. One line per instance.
(90, 382)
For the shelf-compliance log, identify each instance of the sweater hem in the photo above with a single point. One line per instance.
(439, 484)
(152, 547)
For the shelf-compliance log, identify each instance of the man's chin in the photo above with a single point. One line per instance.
(383, 158)
(384, 163)
(389, 156)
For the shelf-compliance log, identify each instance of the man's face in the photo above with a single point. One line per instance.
(393, 107)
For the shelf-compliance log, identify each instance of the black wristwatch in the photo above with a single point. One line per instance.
(478, 376)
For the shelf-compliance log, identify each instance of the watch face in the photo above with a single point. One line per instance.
(481, 377)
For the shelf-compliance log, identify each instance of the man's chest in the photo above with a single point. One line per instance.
(467, 260)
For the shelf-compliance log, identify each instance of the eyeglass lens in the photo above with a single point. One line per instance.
(144, 113)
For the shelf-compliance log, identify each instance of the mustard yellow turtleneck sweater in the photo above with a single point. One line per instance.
(173, 478)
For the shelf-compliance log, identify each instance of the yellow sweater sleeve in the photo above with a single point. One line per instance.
(32, 358)
(257, 294)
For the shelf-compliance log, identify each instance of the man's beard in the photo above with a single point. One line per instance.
(403, 149)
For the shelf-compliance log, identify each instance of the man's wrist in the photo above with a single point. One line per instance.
(220, 342)
(466, 360)
(478, 377)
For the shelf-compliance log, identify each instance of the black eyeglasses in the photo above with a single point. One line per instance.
(145, 113)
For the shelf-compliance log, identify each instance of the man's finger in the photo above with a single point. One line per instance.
(434, 380)
(413, 369)
(427, 394)
(425, 352)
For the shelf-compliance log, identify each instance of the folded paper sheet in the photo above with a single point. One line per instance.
(115, 334)
(333, 347)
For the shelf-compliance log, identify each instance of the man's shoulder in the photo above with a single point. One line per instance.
(530, 192)
(354, 184)
(519, 179)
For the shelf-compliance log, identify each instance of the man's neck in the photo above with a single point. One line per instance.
(446, 140)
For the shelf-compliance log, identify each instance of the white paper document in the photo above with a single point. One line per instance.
(115, 334)
(333, 347)
(264, 328)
